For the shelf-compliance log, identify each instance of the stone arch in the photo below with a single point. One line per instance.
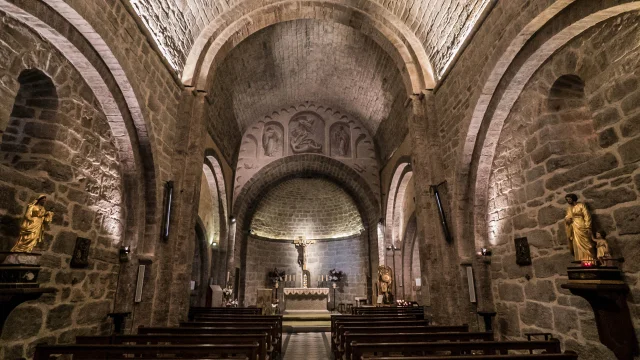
(409, 247)
(494, 105)
(71, 34)
(401, 176)
(215, 179)
(201, 266)
(304, 165)
(240, 22)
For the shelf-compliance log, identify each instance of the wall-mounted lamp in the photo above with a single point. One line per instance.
(124, 254)
(486, 255)
(232, 219)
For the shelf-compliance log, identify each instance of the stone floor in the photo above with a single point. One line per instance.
(307, 346)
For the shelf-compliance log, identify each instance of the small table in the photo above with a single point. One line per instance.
(306, 299)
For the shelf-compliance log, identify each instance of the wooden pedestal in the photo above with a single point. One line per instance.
(608, 299)
(11, 298)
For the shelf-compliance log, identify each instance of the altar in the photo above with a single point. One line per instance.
(306, 300)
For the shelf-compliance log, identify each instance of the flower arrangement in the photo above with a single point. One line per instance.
(402, 303)
(276, 275)
(335, 276)
(227, 292)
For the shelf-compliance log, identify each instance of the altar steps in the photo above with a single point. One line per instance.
(302, 322)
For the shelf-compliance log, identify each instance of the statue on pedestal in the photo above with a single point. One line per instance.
(32, 227)
(578, 227)
(385, 280)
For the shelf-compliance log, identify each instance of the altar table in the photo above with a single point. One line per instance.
(306, 299)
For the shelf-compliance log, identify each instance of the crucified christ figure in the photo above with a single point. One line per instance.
(303, 243)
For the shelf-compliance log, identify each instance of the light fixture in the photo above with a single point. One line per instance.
(232, 219)
(124, 254)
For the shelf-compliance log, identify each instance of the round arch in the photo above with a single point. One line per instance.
(408, 248)
(305, 165)
(60, 25)
(228, 30)
(212, 171)
(493, 107)
(402, 175)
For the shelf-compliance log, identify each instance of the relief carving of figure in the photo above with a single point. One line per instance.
(302, 136)
(271, 141)
(32, 227)
(578, 227)
(342, 141)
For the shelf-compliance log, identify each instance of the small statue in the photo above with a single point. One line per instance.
(32, 227)
(578, 227)
(602, 247)
(385, 280)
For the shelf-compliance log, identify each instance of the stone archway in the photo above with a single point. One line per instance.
(308, 165)
(229, 29)
(72, 36)
(493, 106)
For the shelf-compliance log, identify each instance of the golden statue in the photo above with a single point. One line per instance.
(578, 226)
(602, 248)
(385, 280)
(32, 227)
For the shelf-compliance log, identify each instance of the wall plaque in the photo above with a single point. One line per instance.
(523, 254)
(80, 258)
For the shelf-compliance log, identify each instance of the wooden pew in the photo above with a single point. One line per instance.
(276, 327)
(418, 310)
(567, 355)
(223, 310)
(358, 350)
(173, 339)
(276, 319)
(339, 324)
(112, 352)
(369, 337)
(262, 329)
(355, 318)
(342, 329)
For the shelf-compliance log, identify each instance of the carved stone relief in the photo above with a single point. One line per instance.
(340, 140)
(306, 133)
(272, 137)
(307, 128)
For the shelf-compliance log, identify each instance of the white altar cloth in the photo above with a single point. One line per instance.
(306, 299)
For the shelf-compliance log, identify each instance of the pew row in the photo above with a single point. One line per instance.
(359, 350)
(345, 351)
(171, 352)
(567, 355)
(173, 339)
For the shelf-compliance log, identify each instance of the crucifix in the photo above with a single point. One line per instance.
(303, 243)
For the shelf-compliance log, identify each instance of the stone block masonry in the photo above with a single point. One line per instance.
(348, 255)
(56, 140)
(567, 134)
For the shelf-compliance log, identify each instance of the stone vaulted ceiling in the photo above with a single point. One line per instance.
(292, 62)
(440, 25)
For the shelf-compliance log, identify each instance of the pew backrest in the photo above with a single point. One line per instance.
(454, 348)
(112, 352)
(173, 339)
(567, 355)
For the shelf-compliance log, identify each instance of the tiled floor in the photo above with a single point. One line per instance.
(307, 346)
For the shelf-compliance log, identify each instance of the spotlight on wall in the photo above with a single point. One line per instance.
(124, 254)
(486, 255)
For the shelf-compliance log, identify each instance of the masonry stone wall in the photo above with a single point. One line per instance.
(347, 255)
(56, 141)
(574, 129)
(313, 208)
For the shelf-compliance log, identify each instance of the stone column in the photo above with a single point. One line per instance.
(174, 258)
(438, 259)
